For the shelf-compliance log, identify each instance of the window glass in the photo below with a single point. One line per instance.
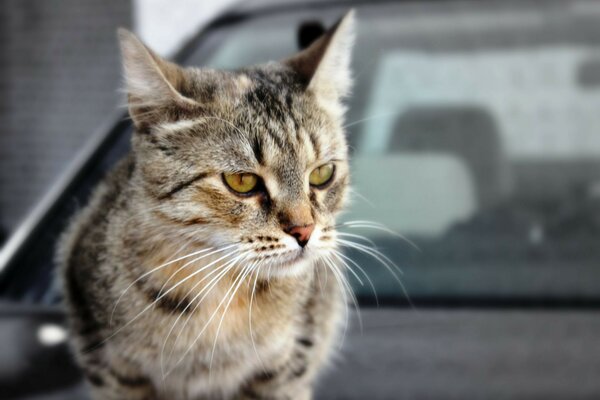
(473, 141)
(474, 136)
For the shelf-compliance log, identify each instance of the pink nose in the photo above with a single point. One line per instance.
(301, 233)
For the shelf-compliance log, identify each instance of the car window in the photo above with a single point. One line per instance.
(474, 154)
(473, 136)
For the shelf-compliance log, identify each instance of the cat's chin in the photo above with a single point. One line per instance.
(296, 265)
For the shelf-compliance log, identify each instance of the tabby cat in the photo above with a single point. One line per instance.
(198, 269)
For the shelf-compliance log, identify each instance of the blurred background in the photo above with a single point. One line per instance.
(474, 133)
(60, 76)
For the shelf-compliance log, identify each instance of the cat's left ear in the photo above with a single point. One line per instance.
(153, 84)
(325, 64)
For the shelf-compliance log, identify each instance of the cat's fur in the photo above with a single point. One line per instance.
(167, 199)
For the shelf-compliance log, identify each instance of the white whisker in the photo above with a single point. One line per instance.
(360, 121)
(380, 227)
(224, 269)
(352, 272)
(346, 291)
(250, 321)
(161, 296)
(354, 192)
(246, 271)
(360, 237)
(352, 295)
(191, 262)
(382, 258)
(319, 279)
(342, 259)
(191, 346)
(373, 252)
(156, 269)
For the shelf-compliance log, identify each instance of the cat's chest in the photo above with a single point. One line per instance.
(202, 318)
(221, 325)
(233, 322)
(221, 344)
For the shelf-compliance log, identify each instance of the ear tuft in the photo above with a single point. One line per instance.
(151, 82)
(325, 64)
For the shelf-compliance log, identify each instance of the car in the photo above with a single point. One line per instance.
(476, 173)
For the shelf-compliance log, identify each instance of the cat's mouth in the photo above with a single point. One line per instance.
(290, 262)
(294, 257)
(288, 257)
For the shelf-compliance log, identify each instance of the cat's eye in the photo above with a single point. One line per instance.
(321, 175)
(242, 183)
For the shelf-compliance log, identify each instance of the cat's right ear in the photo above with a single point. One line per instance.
(153, 84)
(325, 64)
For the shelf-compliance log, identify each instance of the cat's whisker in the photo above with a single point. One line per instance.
(360, 237)
(205, 292)
(158, 298)
(191, 346)
(246, 271)
(143, 276)
(319, 280)
(343, 258)
(382, 258)
(257, 272)
(373, 252)
(372, 117)
(352, 272)
(224, 269)
(354, 192)
(183, 246)
(351, 293)
(339, 277)
(380, 227)
(187, 264)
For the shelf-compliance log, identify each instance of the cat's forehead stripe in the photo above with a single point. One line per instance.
(304, 137)
(276, 129)
(179, 125)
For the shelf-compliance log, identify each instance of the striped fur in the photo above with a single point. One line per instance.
(143, 332)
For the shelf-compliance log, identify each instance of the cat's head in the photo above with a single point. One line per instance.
(254, 159)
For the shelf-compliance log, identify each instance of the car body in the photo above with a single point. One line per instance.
(472, 132)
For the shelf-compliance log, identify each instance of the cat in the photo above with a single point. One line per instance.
(197, 270)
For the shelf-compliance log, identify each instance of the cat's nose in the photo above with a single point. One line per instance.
(301, 233)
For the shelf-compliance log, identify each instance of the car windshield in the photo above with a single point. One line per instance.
(474, 152)
(472, 137)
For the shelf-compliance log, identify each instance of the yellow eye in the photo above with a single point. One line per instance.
(321, 175)
(241, 183)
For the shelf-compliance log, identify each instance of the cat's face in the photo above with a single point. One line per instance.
(254, 160)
